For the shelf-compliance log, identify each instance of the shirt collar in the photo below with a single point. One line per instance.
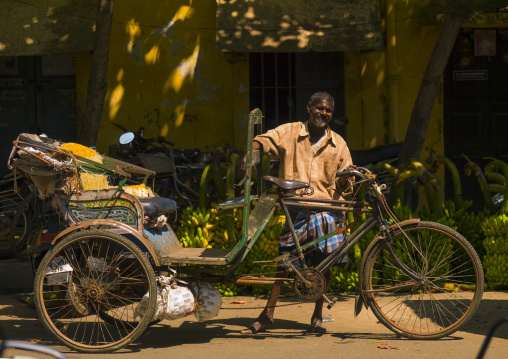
(304, 132)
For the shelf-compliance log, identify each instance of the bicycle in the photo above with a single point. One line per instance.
(178, 171)
(35, 222)
(96, 290)
(12, 192)
(413, 288)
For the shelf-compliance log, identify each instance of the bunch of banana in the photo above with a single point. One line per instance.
(266, 247)
(496, 266)
(495, 261)
(344, 277)
(468, 224)
(227, 290)
(193, 231)
(495, 225)
(219, 235)
(402, 212)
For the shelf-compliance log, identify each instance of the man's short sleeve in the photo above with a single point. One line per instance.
(274, 141)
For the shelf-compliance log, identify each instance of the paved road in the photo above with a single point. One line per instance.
(347, 337)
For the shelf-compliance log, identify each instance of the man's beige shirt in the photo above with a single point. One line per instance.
(291, 144)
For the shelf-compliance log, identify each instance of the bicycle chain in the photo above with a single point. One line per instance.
(271, 306)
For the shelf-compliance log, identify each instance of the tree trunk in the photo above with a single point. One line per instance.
(416, 132)
(458, 10)
(97, 83)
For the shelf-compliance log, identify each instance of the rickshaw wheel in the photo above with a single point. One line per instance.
(106, 274)
(113, 321)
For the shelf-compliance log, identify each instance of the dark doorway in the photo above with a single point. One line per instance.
(37, 95)
(476, 104)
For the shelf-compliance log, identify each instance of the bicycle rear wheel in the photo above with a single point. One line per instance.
(448, 293)
(99, 273)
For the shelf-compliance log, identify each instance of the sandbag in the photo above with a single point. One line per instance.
(209, 301)
(180, 303)
(175, 302)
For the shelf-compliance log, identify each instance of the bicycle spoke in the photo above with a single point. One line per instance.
(432, 305)
(99, 295)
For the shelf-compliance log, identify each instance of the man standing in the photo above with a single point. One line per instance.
(309, 152)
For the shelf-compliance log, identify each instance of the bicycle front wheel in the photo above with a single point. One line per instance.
(91, 275)
(446, 292)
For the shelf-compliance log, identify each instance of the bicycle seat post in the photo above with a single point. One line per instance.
(293, 233)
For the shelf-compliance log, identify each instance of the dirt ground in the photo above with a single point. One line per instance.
(347, 336)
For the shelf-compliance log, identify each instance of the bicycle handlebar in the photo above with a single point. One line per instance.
(361, 172)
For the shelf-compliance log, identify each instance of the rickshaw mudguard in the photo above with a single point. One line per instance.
(146, 238)
(361, 300)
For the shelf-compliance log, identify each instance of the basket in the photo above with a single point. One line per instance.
(163, 165)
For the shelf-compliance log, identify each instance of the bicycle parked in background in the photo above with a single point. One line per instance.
(13, 190)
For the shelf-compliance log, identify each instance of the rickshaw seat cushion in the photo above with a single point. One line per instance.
(155, 206)
(286, 184)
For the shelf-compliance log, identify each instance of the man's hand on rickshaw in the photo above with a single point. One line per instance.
(242, 167)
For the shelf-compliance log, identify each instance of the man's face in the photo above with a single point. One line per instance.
(320, 114)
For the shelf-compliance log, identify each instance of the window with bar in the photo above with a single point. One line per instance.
(282, 83)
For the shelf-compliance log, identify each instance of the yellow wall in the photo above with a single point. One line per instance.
(165, 74)
(366, 83)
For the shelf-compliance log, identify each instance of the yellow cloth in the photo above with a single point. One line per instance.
(89, 181)
(92, 181)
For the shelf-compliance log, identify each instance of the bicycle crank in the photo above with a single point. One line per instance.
(313, 285)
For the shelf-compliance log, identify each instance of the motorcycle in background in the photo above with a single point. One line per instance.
(178, 170)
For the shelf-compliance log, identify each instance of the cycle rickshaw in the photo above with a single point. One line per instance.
(96, 289)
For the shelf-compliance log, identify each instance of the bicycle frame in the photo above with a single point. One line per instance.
(246, 243)
(376, 220)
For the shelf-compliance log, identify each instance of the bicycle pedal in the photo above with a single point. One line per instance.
(331, 303)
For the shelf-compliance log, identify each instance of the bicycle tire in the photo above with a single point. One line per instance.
(107, 271)
(448, 296)
(113, 321)
(20, 225)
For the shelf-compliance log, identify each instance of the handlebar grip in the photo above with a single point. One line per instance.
(353, 173)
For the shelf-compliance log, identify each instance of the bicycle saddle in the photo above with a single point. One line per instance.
(286, 184)
(154, 206)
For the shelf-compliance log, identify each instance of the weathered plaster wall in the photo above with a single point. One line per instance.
(367, 84)
(165, 74)
(44, 27)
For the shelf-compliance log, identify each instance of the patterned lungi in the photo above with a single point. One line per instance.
(310, 225)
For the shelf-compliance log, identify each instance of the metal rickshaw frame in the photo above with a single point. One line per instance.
(219, 265)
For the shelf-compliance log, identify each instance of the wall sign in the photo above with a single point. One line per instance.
(460, 75)
(12, 81)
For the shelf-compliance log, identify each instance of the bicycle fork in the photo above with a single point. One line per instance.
(404, 268)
